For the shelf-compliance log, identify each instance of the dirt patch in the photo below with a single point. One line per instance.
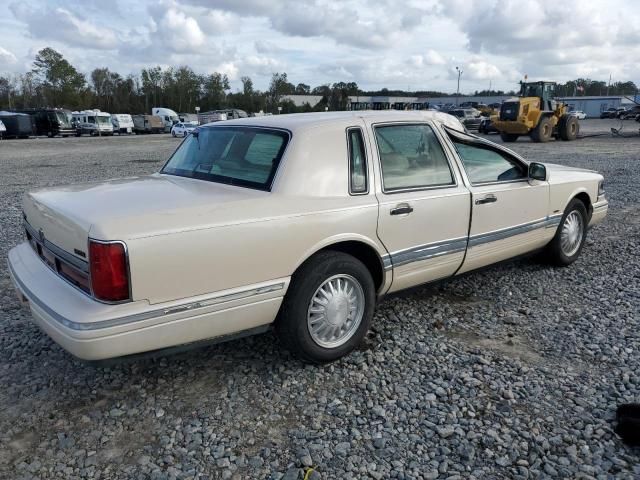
(514, 347)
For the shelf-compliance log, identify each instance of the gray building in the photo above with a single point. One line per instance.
(593, 106)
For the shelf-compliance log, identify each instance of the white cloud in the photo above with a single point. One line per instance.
(7, 58)
(430, 58)
(217, 22)
(482, 70)
(59, 24)
(376, 43)
(176, 30)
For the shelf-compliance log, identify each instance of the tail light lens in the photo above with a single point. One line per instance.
(109, 272)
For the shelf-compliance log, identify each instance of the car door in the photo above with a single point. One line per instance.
(509, 212)
(424, 208)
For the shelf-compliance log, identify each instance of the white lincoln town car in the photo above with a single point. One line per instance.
(300, 222)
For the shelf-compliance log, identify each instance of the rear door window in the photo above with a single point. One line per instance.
(411, 157)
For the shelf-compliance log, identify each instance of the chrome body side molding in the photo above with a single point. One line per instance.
(455, 245)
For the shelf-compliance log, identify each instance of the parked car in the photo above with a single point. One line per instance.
(630, 113)
(609, 113)
(579, 114)
(17, 125)
(486, 126)
(181, 129)
(50, 121)
(470, 118)
(122, 123)
(299, 221)
(147, 124)
(92, 122)
(620, 111)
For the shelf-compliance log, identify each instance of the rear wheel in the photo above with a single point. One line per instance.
(509, 137)
(328, 308)
(543, 131)
(569, 239)
(568, 127)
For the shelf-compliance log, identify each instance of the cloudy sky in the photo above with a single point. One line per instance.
(376, 43)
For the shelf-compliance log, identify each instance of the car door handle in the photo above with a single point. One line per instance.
(402, 209)
(487, 199)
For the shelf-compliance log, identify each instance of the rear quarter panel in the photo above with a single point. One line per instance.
(309, 209)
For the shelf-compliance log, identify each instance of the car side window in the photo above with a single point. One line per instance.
(358, 182)
(411, 157)
(486, 165)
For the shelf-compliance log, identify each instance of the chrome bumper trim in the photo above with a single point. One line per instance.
(156, 313)
(600, 206)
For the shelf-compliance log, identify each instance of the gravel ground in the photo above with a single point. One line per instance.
(512, 372)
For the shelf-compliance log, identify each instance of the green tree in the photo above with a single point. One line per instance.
(8, 92)
(278, 87)
(60, 83)
(302, 89)
(215, 91)
(151, 78)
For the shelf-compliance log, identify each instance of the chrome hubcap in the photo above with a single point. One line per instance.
(335, 311)
(571, 235)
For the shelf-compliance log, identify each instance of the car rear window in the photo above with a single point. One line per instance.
(242, 156)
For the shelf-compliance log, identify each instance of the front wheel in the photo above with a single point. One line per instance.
(328, 308)
(569, 239)
(543, 131)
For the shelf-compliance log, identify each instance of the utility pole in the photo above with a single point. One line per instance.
(609, 85)
(458, 89)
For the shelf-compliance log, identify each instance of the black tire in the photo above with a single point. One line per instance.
(554, 251)
(543, 131)
(291, 324)
(173, 134)
(509, 137)
(568, 127)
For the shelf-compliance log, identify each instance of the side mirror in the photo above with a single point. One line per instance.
(537, 171)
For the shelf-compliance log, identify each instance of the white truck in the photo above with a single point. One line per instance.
(168, 116)
(122, 123)
(93, 122)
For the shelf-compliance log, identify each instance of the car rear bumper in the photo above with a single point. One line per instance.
(91, 330)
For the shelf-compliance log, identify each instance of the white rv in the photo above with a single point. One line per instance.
(93, 122)
(168, 116)
(122, 123)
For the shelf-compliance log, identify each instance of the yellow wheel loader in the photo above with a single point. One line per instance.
(536, 113)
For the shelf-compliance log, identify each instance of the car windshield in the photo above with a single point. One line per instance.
(243, 156)
(104, 120)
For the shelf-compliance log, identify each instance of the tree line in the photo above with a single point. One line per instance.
(54, 82)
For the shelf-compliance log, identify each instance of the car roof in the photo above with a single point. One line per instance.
(299, 121)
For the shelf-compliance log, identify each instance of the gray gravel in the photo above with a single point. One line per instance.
(512, 372)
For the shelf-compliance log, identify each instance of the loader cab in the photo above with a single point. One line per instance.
(545, 91)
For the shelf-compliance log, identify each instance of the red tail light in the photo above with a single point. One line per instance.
(109, 272)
